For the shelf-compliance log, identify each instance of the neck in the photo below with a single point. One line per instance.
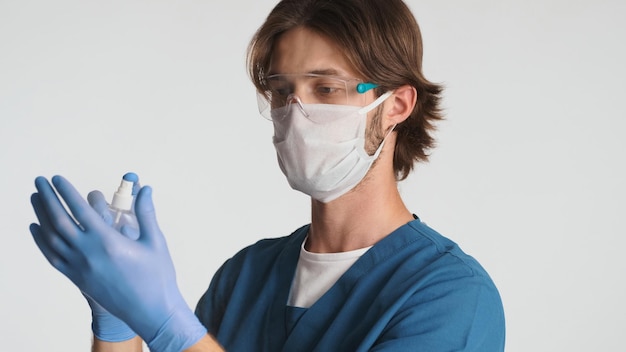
(363, 216)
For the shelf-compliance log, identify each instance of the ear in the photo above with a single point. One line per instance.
(401, 104)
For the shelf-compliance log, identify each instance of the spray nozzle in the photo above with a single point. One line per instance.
(123, 198)
(131, 176)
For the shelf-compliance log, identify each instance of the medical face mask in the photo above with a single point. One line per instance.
(321, 147)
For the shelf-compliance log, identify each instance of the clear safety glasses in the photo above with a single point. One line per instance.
(309, 88)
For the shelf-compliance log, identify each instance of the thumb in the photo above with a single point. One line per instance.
(149, 230)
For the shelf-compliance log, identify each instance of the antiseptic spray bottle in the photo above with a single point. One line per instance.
(122, 205)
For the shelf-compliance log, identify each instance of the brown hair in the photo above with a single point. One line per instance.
(381, 40)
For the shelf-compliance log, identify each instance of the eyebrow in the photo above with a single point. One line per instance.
(327, 71)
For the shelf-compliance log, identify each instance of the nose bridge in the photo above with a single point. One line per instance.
(301, 89)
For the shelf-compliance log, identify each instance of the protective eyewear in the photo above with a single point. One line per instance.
(309, 88)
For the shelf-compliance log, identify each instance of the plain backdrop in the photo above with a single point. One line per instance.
(528, 176)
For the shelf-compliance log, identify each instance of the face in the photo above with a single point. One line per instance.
(302, 51)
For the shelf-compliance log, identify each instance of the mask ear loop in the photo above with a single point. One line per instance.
(370, 107)
(375, 103)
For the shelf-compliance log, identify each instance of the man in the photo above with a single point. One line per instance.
(352, 112)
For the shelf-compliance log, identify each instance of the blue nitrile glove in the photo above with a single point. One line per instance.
(132, 279)
(106, 326)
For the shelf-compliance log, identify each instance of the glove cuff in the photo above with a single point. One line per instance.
(109, 328)
(181, 331)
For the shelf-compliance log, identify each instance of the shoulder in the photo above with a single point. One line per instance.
(438, 263)
(449, 298)
(418, 248)
(443, 248)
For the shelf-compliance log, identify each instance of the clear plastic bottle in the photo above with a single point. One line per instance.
(122, 206)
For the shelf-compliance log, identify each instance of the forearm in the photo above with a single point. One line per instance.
(133, 345)
(206, 344)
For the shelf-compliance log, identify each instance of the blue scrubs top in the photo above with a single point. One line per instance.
(414, 290)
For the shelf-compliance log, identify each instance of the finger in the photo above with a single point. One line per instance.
(47, 233)
(84, 214)
(130, 232)
(53, 257)
(50, 205)
(40, 211)
(99, 204)
(146, 217)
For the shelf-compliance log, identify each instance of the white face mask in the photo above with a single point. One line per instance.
(322, 151)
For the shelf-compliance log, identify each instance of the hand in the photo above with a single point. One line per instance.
(133, 279)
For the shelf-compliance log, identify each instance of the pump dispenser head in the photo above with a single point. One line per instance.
(123, 198)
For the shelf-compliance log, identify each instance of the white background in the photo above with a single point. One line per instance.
(528, 177)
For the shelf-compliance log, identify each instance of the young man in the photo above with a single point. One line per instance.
(352, 112)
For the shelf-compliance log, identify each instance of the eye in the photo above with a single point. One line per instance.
(326, 90)
(280, 91)
(329, 88)
(330, 92)
(279, 87)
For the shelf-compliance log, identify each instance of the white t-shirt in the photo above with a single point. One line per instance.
(317, 272)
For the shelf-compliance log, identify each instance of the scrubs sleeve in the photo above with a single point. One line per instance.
(209, 310)
(459, 314)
